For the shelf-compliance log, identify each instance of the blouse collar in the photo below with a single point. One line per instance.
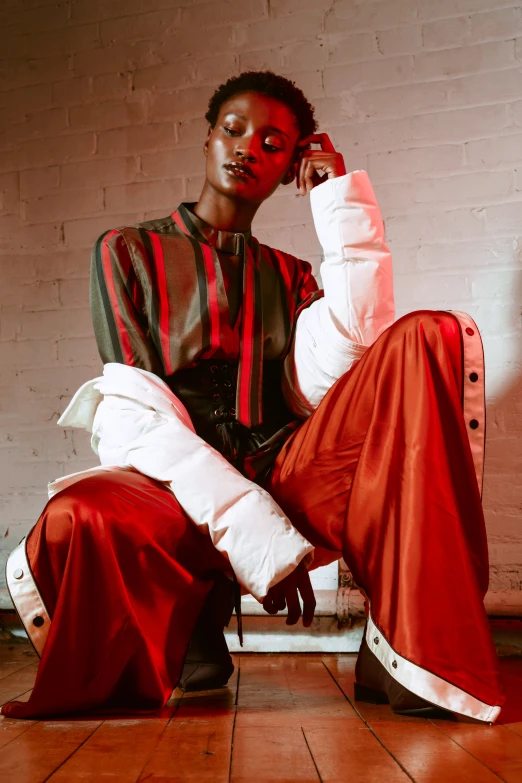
(225, 241)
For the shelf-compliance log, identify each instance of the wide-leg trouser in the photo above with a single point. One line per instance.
(382, 472)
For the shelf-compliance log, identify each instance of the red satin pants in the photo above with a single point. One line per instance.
(382, 472)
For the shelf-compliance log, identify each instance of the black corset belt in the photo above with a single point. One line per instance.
(208, 391)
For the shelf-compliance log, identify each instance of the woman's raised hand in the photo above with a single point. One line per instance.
(286, 594)
(311, 162)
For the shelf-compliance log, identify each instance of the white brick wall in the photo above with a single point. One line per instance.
(101, 104)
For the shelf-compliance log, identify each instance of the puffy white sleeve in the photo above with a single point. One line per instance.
(133, 426)
(358, 304)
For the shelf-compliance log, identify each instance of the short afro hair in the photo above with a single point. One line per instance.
(266, 83)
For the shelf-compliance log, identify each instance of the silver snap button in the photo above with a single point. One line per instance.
(18, 574)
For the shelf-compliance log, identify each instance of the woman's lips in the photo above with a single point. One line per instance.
(239, 171)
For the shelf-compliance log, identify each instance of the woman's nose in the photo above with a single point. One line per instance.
(246, 150)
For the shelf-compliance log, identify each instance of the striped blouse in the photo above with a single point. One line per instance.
(161, 293)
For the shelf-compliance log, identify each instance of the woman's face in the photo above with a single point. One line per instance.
(250, 151)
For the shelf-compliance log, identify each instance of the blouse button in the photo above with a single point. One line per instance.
(473, 377)
(18, 574)
(469, 330)
(376, 640)
(473, 424)
(394, 664)
(38, 621)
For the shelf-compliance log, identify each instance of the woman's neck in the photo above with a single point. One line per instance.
(223, 212)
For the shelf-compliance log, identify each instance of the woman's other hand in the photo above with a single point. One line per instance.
(286, 594)
(312, 162)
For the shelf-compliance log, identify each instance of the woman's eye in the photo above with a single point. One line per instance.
(230, 131)
(272, 147)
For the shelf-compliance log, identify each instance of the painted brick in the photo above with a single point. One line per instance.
(72, 91)
(166, 77)
(464, 188)
(217, 69)
(52, 324)
(136, 139)
(190, 42)
(29, 72)
(192, 133)
(98, 172)
(181, 105)
(402, 101)
(70, 349)
(460, 255)
(14, 105)
(376, 73)
(286, 29)
(32, 238)
(100, 116)
(73, 294)
(428, 9)
(446, 33)
(9, 192)
(68, 41)
(84, 232)
(97, 10)
(465, 59)
(350, 16)
(459, 124)
(349, 48)
(49, 152)
(192, 188)
(384, 166)
(284, 7)
(115, 59)
(159, 165)
(310, 82)
(142, 195)
(504, 217)
(485, 88)
(140, 27)
(56, 207)
(260, 60)
(303, 56)
(454, 224)
(497, 151)
(501, 23)
(438, 291)
(111, 86)
(44, 18)
(43, 124)
(399, 40)
(226, 11)
(38, 182)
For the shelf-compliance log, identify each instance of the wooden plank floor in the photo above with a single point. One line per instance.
(284, 718)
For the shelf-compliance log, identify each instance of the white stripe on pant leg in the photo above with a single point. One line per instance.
(26, 597)
(473, 382)
(423, 683)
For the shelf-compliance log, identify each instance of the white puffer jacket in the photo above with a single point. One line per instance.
(138, 423)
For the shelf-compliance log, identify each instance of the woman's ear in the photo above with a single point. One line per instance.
(290, 174)
(205, 145)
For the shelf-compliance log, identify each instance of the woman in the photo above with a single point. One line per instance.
(352, 425)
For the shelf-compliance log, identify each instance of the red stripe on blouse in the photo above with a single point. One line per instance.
(247, 343)
(159, 261)
(212, 293)
(176, 217)
(123, 334)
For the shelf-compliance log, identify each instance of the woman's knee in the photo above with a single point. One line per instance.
(429, 323)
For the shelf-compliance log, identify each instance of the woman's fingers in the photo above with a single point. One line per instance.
(307, 594)
(318, 138)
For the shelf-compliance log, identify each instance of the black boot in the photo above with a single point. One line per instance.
(374, 685)
(208, 664)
